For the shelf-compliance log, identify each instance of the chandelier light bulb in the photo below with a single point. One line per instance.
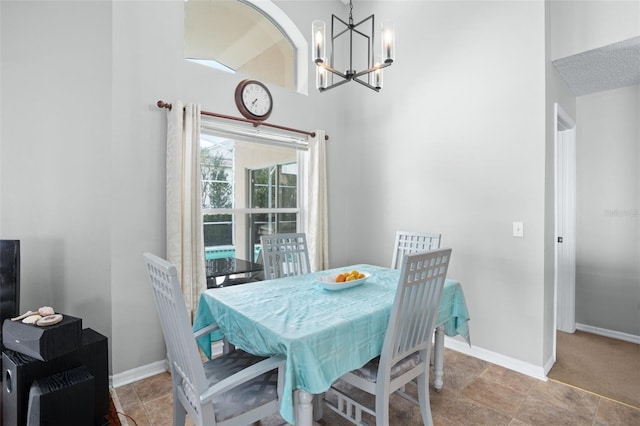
(321, 78)
(388, 42)
(377, 77)
(318, 37)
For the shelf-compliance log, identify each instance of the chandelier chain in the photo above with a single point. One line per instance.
(351, 12)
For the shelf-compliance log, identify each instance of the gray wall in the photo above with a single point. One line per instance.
(608, 256)
(455, 144)
(55, 178)
(578, 26)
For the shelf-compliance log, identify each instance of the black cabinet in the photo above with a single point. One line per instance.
(21, 371)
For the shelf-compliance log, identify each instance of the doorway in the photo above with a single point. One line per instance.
(565, 219)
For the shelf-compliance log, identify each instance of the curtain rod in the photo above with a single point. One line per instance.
(163, 104)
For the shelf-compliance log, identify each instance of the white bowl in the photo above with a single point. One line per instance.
(328, 282)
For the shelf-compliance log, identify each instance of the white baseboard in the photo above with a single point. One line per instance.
(139, 373)
(495, 358)
(152, 369)
(609, 333)
(549, 364)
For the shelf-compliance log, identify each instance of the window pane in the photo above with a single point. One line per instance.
(215, 167)
(218, 229)
(238, 175)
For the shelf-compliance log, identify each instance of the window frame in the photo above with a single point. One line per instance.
(238, 132)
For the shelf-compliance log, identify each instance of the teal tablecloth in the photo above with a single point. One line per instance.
(323, 334)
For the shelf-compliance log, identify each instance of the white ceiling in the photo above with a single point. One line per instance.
(609, 67)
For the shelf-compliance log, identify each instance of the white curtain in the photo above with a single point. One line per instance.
(314, 208)
(185, 240)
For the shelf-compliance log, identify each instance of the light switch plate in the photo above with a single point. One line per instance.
(518, 229)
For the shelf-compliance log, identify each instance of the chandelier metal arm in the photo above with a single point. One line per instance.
(347, 27)
(351, 76)
(377, 89)
(339, 83)
(364, 20)
(332, 70)
(372, 69)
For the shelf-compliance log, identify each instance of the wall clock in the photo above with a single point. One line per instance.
(254, 100)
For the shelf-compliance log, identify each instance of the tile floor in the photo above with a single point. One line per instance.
(475, 392)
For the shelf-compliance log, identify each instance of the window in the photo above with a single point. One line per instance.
(248, 189)
(253, 38)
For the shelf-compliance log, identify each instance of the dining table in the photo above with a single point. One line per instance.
(323, 333)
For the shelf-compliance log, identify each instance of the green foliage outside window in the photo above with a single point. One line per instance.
(216, 193)
(216, 188)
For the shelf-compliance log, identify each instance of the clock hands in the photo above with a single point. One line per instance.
(253, 99)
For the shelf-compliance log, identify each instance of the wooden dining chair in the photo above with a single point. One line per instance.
(285, 255)
(407, 344)
(411, 242)
(233, 389)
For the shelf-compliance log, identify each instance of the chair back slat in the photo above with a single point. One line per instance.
(412, 242)
(285, 255)
(415, 306)
(184, 358)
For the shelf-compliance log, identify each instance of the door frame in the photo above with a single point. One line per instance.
(565, 222)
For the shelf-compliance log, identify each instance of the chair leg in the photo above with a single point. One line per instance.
(179, 413)
(382, 408)
(423, 398)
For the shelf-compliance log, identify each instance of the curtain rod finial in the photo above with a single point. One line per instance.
(163, 104)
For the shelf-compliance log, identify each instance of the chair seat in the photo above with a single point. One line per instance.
(369, 371)
(249, 395)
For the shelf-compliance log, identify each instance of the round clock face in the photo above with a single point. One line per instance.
(253, 100)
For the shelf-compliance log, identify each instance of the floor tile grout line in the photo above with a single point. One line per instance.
(143, 404)
(595, 394)
(524, 400)
(116, 402)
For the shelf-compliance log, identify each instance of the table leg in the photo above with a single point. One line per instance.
(318, 409)
(438, 358)
(304, 408)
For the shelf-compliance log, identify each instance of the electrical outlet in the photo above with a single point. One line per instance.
(518, 229)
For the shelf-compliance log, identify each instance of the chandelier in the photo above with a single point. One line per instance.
(363, 30)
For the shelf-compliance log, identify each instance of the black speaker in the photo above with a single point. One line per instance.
(9, 280)
(20, 370)
(95, 356)
(62, 399)
(43, 343)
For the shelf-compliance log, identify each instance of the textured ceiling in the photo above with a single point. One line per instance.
(609, 67)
